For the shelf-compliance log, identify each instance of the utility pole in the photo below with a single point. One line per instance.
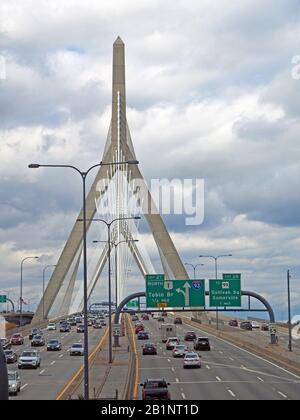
(289, 311)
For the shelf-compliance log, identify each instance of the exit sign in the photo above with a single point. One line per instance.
(3, 299)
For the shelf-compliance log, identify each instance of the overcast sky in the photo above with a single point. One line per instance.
(210, 95)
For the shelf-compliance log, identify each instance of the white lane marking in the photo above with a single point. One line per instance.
(221, 352)
(231, 393)
(173, 369)
(52, 363)
(260, 379)
(169, 360)
(218, 379)
(282, 394)
(23, 387)
(42, 371)
(230, 358)
(177, 380)
(183, 396)
(61, 356)
(207, 367)
(251, 354)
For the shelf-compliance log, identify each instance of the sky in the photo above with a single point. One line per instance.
(212, 93)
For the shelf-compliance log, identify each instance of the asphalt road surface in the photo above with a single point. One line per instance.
(56, 368)
(227, 373)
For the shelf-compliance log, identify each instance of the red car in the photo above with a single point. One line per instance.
(139, 328)
(17, 340)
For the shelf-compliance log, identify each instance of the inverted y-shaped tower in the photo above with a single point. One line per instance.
(119, 147)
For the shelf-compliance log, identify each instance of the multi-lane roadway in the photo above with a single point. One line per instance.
(56, 368)
(228, 372)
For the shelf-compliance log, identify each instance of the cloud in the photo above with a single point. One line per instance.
(210, 95)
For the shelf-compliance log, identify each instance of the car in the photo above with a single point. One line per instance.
(10, 356)
(202, 344)
(80, 328)
(246, 326)
(143, 335)
(190, 336)
(103, 323)
(265, 327)
(97, 326)
(155, 389)
(139, 328)
(78, 320)
(14, 383)
(91, 323)
(135, 318)
(149, 349)
(54, 345)
(17, 339)
(255, 325)
(233, 323)
(64, 328)
(77, 349)
(51, 327)
(34, 331)
(178, 321)
(145, 317)
(179, 350)
(29, 359)
(38, 341)
(73, 322)
(5, 343)
(172, 342)
(191, 359)
(161, 319)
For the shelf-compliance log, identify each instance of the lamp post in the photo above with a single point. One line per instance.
(84, 175)
(108, 225)
(21, 287)
(290, 346)
(44, 270)
(216, 273)
(194, 266)
(115, 245)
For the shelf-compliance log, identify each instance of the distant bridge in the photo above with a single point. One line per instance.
(14, 317)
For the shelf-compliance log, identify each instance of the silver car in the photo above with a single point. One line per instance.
(29, 359)
(191, 359)
(14, 383)
(180, 350)
(77, 349)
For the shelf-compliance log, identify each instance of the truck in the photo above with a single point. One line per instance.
(167, 331)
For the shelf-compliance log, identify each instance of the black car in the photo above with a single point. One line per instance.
(246, 326)
(161, 319)
(80, 328)
(178, 321)
(190, 336)
(10, 356)
(6, 345)
(233, 323)
(149, 348)
(54, 345)
(97, 326)
(34, 331)
(202, 343)
(145, 317)
(155, 389)
(265, 327)
(38, 341)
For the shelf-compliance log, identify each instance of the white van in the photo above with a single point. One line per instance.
(166, 331)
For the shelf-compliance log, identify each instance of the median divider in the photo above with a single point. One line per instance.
(132, 380)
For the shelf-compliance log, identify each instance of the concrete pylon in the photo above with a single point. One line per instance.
(118, 144)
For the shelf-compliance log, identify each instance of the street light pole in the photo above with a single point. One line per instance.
(194, 266)
(290, 347)
(84, 175)
(216, 274)
(44, 270)
(21, 287)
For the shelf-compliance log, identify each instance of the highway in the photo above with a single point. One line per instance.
(227, 373)
(56, 369)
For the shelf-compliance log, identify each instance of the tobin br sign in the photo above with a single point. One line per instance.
(168, 294)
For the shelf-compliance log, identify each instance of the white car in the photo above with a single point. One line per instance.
(14, 383)
(29, 359)
(77, 349)
(51, 327)
(180, 350)
(255, 325)
(191, 359)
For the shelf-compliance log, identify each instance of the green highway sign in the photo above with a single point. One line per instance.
(3, 298)
(133, 304)
(187, 294)
(225, 292)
